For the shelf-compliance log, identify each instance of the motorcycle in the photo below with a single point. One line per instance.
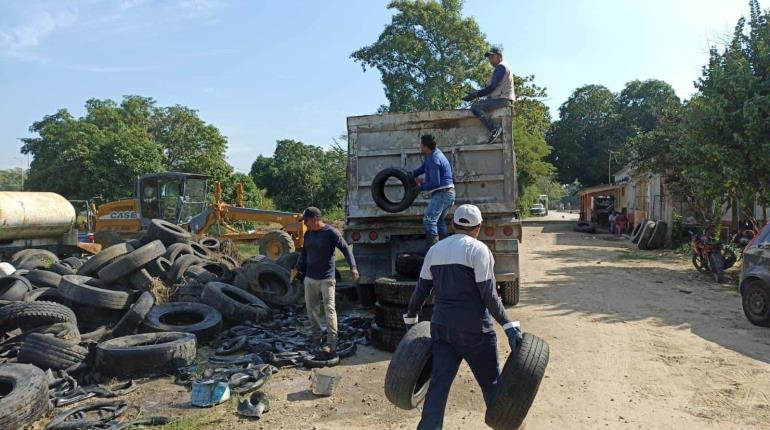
(709, 256)
(741, 237)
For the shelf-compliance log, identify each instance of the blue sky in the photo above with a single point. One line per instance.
(266, 70)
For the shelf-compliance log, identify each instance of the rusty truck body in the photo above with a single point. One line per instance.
(484, 175)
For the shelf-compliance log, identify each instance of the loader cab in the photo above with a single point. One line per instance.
(174, 197)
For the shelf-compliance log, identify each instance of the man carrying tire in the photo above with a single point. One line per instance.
(439, 184)
(499, 92)
(461, 271)
(316, 262)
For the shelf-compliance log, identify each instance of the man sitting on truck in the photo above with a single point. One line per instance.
(499, 92)
(439, 184)
(461, 272)
(316, 262)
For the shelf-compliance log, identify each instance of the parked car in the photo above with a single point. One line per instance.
(538, 210)
(755, 279)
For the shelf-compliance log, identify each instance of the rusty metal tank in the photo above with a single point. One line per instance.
(33, 215)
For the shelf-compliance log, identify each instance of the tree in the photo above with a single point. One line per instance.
(587, 130)
(103, 152)
(429, 55)
(300, 175)
(11, 179)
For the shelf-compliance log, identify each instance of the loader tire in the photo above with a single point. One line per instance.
(24, 396)
(409, 372)
(276, 244)
(48, 352)
(145, 354)
(166, 232)
(518, 384)
(92, 266)
(407, 182)
(386, 339)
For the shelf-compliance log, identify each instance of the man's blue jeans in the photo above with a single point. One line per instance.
(450, 347)
(435, 214)
(481, 107)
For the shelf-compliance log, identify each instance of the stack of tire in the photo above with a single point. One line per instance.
(393, 296)
(649, 234)
(409, 375)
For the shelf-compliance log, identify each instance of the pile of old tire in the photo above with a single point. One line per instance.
(393, 296)
(24, 396)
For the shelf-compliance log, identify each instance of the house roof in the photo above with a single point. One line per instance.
(600, 188)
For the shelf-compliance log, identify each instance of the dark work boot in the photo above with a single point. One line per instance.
(430, 240)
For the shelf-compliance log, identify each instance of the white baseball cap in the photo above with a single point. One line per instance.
(467, 216)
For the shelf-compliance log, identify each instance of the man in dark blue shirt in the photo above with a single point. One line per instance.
(439, 184)
(499, 93)
(316, 262)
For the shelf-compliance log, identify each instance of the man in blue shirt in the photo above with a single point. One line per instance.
(499, 92)
(438, 183)
(460, 271)
(316, 262)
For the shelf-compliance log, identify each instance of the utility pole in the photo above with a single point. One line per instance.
(609, 165)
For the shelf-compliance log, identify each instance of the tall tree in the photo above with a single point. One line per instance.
(586, 135)
(11, 179)
(104, 151)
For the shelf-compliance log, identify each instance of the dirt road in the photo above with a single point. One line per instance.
(638, 340)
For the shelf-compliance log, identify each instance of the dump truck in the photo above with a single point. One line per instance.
(484, 175)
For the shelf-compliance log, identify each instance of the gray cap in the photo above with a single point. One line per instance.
(311, 212)
(494, 50)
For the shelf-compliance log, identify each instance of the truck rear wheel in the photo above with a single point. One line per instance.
(509, 292)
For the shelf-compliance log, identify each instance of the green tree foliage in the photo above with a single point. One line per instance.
(103, 152)
(10, 179)
(300, 175)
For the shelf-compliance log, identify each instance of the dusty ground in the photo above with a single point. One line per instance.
(638, 340)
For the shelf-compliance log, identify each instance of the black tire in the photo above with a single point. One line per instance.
(134, 317)
(392, 317)
(386, 339)
(177, 250)
(717, 267)
(658, 237)
(644, 236)
(409, 371)
(210, 243)
(181, 264)
(23, 395)
(48, 352)
(234, 303)
(90, 316)
(45, 295)
(518, 384)
(637, 231)
(219, 270)
(288, 261)
(63, 331)
(409, 264)
(141, 280)
(756, 303)
(272, 283)
(28, 315)
(145, 354)
(407, 181)
(92, 266)
(701, 265)
(13, 288)
(166, 232)
(199, 250)
(61, 269)
(159, 267)
(509, 292)
(75, 288)
(395, 291)
(41, 256)
(201, 320)
(74, 263)
(44, 278)
(276, 244)
(190, 293)
(132, 262)
(729, 257)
